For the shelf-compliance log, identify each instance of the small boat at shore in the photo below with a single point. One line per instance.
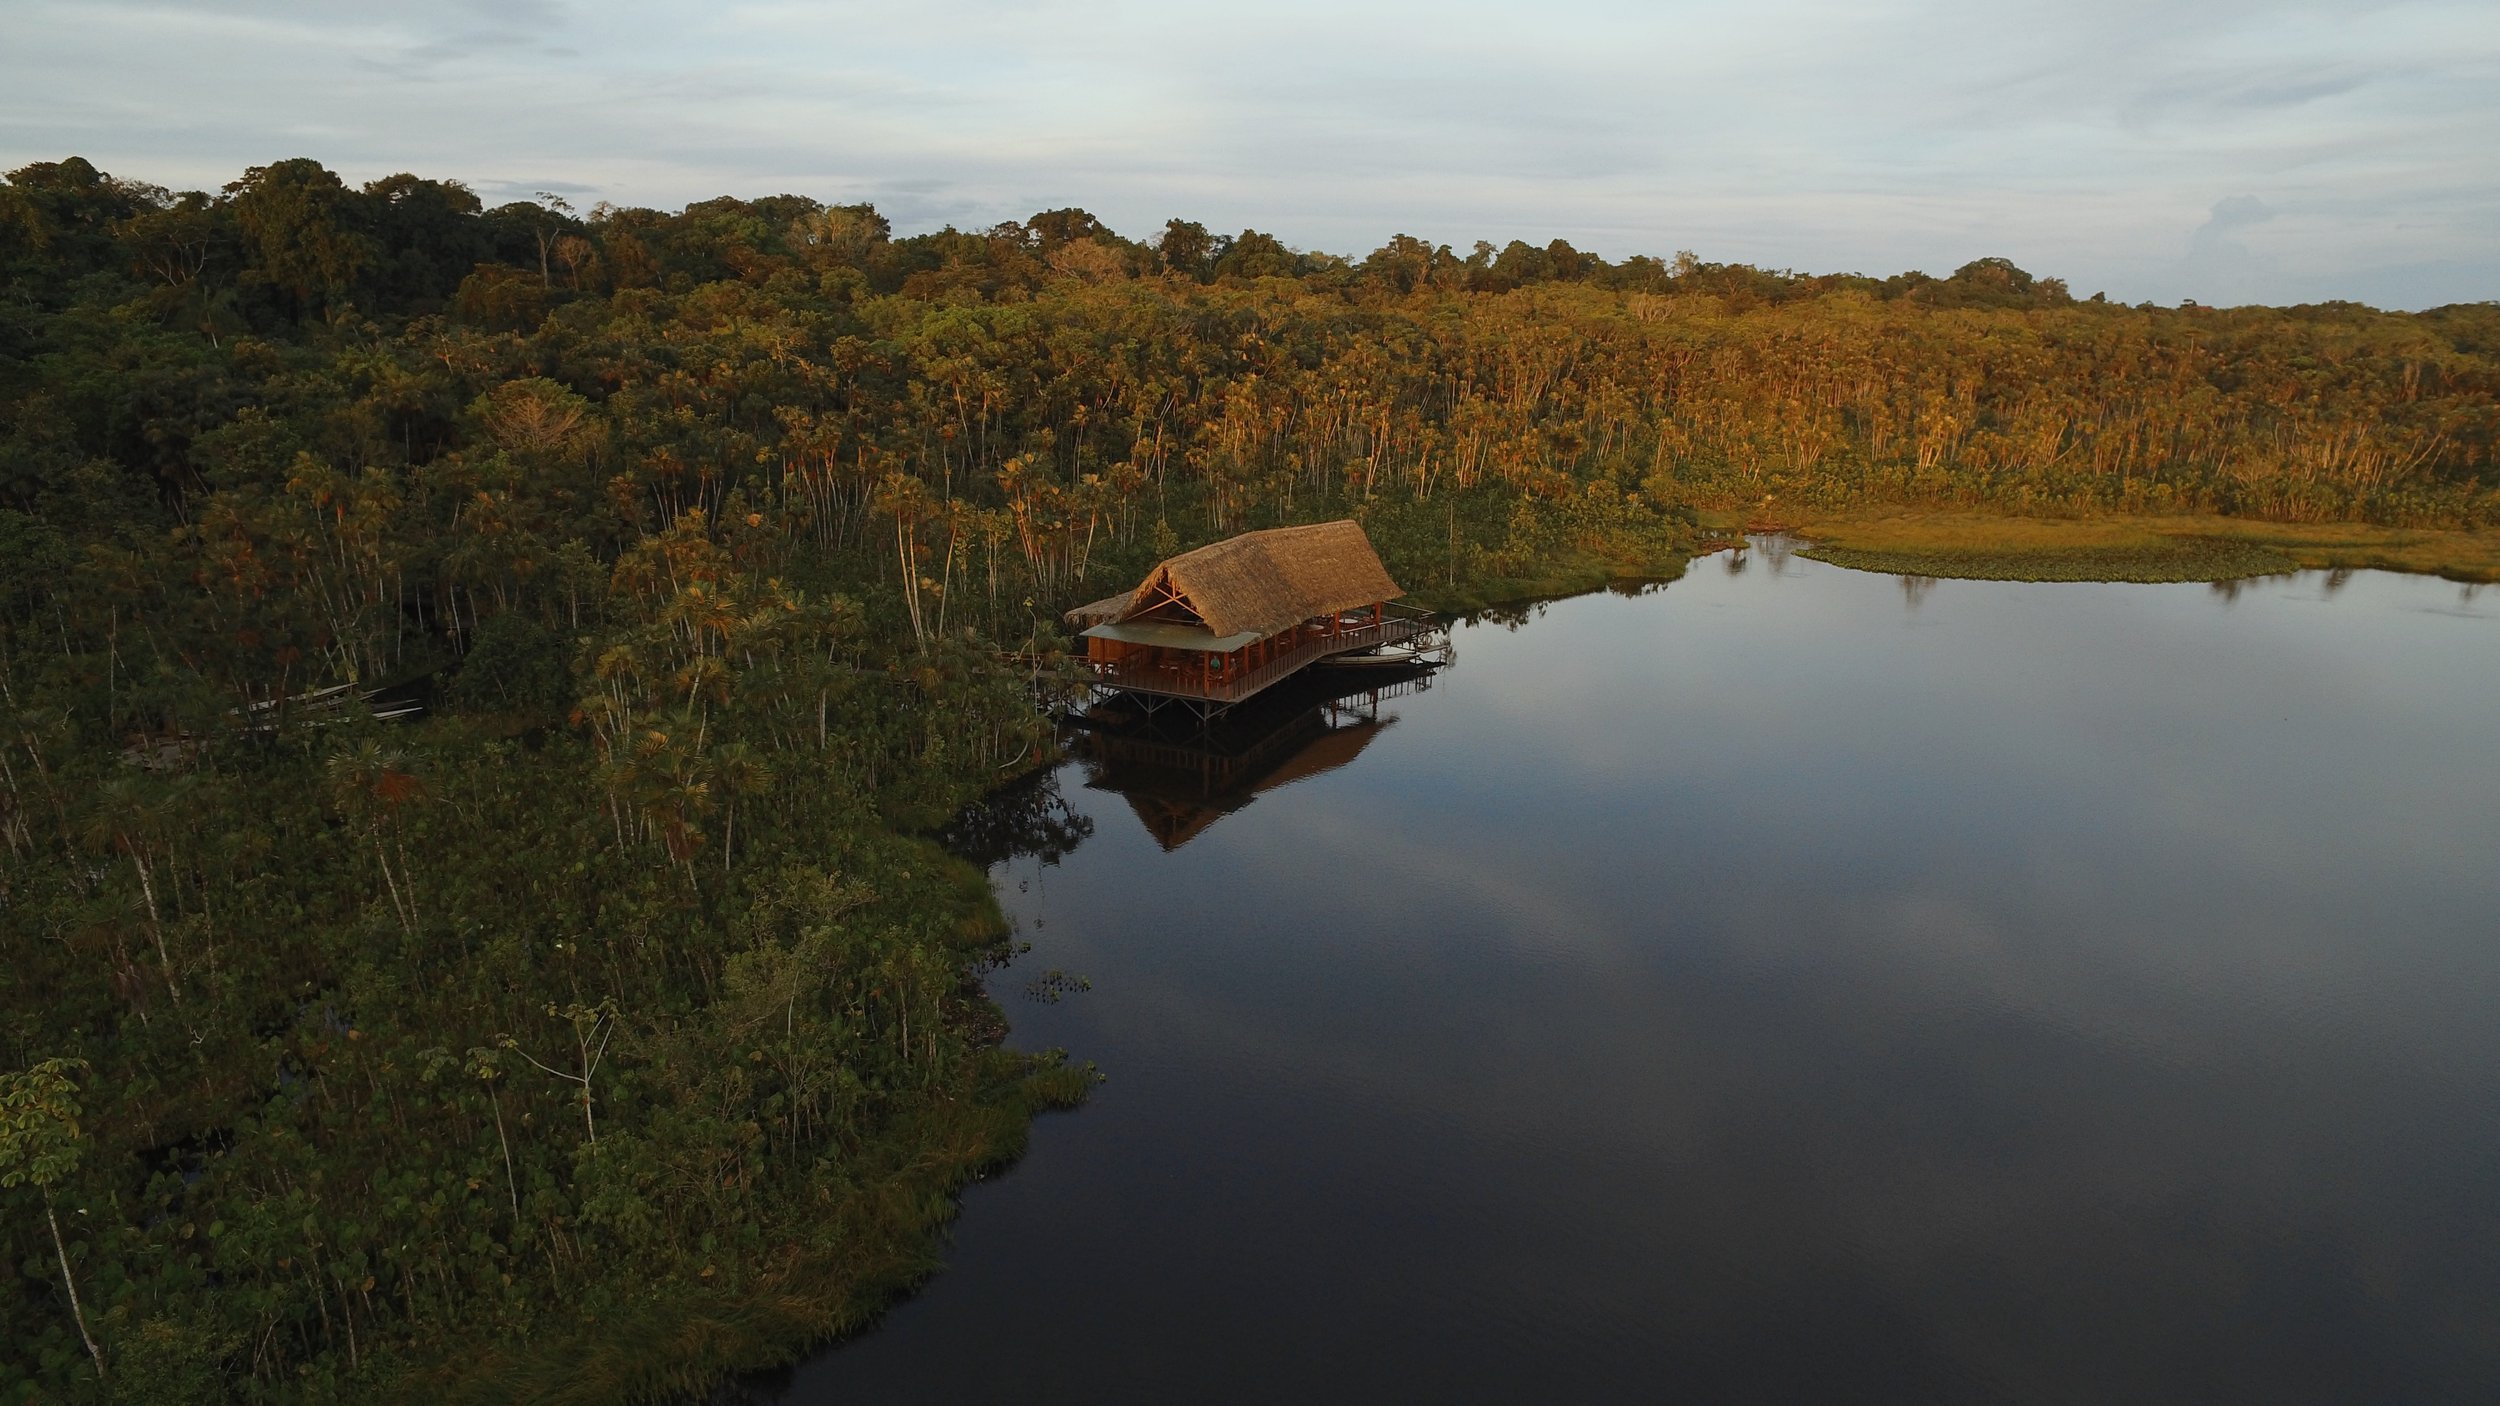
(1385, 658)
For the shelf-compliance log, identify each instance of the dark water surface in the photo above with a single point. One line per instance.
(1791, 984)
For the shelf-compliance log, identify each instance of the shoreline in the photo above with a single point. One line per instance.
(1962, 545)
(669, 1349)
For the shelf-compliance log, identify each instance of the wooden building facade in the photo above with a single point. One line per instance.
(1215, 626)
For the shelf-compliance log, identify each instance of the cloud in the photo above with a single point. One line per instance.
(1877, 136)
(2234, 211)
(2218, 267)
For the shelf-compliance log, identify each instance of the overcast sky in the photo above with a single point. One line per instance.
(2228, 150)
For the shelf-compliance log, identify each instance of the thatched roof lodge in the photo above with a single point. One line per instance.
(1220, 623)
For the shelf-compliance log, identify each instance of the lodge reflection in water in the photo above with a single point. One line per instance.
(1180, 779)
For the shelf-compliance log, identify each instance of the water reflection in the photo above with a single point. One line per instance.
(1758, 991)
(1026, 819)
(1777, 548)
(2231, 588)
(1178, 778)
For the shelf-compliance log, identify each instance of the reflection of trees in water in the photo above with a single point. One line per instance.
(1513, 617)
(1509, 617)
(2231, 589)
(1916, 589)
(1024, 817)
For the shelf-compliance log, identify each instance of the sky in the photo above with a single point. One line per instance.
(2224, 150)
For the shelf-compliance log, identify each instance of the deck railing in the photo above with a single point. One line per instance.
(1176, 681)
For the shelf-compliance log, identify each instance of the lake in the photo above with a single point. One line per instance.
(1789, 983)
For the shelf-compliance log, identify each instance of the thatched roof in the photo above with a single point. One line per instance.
(1099, 612)
(1263, 582)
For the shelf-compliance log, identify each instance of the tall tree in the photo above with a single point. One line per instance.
(40, 1145)
(303, 232)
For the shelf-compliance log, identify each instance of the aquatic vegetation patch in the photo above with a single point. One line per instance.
(2181, 559)
(1990, 547)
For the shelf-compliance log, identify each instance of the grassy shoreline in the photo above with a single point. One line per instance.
(1990, 547)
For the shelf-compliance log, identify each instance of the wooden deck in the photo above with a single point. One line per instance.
(1176, 681)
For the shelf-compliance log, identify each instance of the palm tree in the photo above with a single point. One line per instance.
(369, 784)
(40, 1145)
(906, 500)
(135, 817)
(740, 772)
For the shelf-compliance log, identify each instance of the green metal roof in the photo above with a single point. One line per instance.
(1164, 635)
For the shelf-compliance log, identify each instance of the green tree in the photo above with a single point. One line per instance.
(301, 231)
(1187, 249)
(40, 1145)
(593, 1026)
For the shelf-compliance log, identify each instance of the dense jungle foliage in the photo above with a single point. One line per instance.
(611, 1021)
